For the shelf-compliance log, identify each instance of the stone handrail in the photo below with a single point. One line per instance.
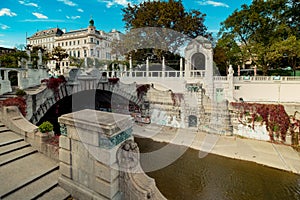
(14, 120)
(266, 78)
(164, 74)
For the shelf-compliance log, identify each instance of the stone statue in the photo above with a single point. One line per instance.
(128, 155)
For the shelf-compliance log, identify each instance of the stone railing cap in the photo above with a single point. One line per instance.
(97, 119)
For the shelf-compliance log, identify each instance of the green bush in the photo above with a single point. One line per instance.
(20, 92)
(46, 127)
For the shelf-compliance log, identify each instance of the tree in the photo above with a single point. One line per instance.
(58, 54)
(258, 26)
(76, 61)
(12, 59)
(289, 49)
(228, 52)
(168, 15)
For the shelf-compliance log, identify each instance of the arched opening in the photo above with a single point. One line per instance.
(192, 121)
(13, 78)
(90, 99)
(198, 61)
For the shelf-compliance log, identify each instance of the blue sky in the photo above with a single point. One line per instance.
(27, 16)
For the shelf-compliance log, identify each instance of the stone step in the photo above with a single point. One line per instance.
(56, 193)
(3, 129)
(12, 147)
(15, 155)
(37, 188)
(16, 175)
(9, 137)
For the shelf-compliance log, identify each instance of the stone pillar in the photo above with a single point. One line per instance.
(147, 67)
(28, 63)
(181, 67)
(130, 66)
(187, 72)
(163, 67)
(88, 153)
(40, 59)
(6, 75)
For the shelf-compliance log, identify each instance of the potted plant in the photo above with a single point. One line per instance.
(20, 92)
(46, 127)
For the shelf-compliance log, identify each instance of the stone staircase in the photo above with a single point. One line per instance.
(24, 172)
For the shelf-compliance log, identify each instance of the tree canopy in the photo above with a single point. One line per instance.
(167, 15)
(58, 54)
(258, 30)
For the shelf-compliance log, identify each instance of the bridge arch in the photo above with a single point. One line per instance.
(96, 99)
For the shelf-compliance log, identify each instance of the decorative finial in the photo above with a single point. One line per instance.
(91, 21)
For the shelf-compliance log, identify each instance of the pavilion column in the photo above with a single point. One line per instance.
(181, 67)
(147, 67)
(130, 66)
(163, 67)
(6, 75)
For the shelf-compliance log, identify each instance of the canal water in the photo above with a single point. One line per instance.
(216, 178)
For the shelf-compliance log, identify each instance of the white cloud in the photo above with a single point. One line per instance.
(8, 12)
(1, 35)
(68, 2)
(28, 4)
(214, 3)
(73, 17)
(40, 15)
(110, 3)
(4, 27)
(80, 10)
(42, 20)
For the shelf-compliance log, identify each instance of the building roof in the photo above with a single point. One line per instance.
(52, 31)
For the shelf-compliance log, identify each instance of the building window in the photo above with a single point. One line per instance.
(67, 64)
(74, 53)
(98, 42)
(70, 43)
(66, 43)
(84, 41)
(62, 44)
(98, 53)
(107, 56)
(92, 40)
(92, 52)
(237, 87)
(74, 42)
(62, 63)
(84, 53)
(58, 44)
(78, 42)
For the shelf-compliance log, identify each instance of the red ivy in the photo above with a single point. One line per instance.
(113, 80)
(54, 83)
(16, 101)
(276, 119)
(142, 89)
(176, 98)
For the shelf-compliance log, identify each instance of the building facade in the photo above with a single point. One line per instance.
(83, 43)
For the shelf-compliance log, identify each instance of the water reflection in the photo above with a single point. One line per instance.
(215, 178)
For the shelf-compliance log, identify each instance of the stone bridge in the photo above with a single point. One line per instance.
(82, 83)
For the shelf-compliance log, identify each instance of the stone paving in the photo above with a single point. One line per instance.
(266, 153)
